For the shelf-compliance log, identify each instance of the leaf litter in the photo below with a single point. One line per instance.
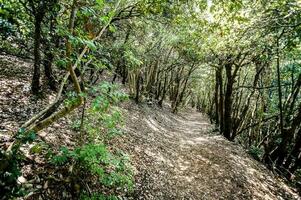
(173, 156)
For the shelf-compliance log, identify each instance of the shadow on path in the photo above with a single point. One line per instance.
(176, 157)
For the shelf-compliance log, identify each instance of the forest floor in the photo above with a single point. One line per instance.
(174, 156)
(179, 157)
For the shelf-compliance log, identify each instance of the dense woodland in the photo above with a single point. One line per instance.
(236, 61)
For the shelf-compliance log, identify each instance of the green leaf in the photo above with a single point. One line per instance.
(112, 28)
(90, 44)
(100, 3)
(36, 149)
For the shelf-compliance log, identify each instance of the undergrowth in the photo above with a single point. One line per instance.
(93, 159)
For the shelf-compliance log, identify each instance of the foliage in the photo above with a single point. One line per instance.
(10, 171)
(10, 167)
(238, 61)
(104, 116)
(255, 152)
(94, 158)
(111, 170)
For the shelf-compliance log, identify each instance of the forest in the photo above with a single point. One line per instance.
(122, 99)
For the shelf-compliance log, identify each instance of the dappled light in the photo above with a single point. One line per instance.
(150, 99)
(194, 163)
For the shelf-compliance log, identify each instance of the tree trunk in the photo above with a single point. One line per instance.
(181, 94)
(228, 103)
(138, 82)
(279, 89)
(48, 70)
(49, 57)
(164, 90)
(35, 84)
(216, 102)
(294, 153)
(221, 99)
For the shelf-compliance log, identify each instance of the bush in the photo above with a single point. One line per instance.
(256, 152)
(101, 123)
(111, 170)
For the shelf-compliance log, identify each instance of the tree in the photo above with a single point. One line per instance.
(39, 9)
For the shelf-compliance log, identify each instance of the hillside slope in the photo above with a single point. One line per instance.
(177, 157)
(174, 156)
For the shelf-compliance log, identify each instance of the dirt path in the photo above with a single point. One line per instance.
(176, 158)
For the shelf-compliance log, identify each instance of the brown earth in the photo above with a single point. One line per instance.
(173, 156)
(178, 157)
